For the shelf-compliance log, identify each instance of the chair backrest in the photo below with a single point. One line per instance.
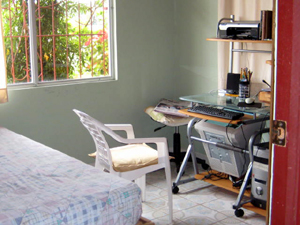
(95, 128)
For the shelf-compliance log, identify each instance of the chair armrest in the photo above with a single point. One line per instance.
(130, 135)
(122, 127)
(152, 140)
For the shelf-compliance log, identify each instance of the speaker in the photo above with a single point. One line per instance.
(233, 80)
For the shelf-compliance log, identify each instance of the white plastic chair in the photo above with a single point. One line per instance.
(133, 160)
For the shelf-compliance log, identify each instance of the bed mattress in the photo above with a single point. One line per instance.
(40, 185)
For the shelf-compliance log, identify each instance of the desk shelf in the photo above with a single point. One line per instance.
(206, 117)
(251, 116)
(227, 184)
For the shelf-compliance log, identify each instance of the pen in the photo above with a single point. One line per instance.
(241, 74)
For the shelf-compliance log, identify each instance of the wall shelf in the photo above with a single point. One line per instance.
(269, 62)
(241, 41)
(232, 49)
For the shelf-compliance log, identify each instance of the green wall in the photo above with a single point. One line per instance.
(196, 58)
(162, 52)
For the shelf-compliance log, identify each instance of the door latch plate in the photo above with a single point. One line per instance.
(279, 133)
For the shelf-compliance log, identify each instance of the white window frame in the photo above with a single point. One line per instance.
(112, 43)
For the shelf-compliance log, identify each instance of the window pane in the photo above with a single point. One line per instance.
(16, 41)
(72, 39)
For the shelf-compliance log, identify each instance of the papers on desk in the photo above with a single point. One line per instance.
(171, 107)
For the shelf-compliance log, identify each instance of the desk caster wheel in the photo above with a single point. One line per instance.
(239, 213)
(175, 189)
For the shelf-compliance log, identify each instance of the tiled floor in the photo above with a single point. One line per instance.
(196, 203)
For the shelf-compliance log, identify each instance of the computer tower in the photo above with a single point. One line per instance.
(259, 180)
(223, 160)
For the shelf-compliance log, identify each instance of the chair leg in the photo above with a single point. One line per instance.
(141, 182)
(169, 191)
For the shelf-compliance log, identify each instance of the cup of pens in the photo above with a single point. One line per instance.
(244, 84)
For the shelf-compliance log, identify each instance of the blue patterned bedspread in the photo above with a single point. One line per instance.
(40, 185)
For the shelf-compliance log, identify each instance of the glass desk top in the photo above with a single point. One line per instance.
(227, 102)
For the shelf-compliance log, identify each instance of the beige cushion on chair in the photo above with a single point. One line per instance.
(125, 160)
(131, 157)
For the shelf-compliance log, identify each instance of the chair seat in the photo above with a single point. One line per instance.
(132, 157)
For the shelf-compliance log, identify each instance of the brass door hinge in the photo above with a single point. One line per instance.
(279, 133)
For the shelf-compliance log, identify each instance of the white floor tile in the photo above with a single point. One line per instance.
(197, 202)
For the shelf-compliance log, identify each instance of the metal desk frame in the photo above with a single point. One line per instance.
(190, 153)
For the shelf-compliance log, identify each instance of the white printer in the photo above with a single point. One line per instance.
(238, 29)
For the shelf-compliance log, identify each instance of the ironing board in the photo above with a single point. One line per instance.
(171, 121)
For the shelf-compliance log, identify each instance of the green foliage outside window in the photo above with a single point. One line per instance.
(79, 48)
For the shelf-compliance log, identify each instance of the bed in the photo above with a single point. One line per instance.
(40, 185)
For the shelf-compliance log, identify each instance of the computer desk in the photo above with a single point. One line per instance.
(252, 115)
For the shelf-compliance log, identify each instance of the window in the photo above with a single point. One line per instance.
(54, 41)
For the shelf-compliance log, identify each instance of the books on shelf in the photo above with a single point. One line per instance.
(171, 107)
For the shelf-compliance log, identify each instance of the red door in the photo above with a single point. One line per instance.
(285, 197)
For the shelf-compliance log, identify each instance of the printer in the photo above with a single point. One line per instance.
(238, 29)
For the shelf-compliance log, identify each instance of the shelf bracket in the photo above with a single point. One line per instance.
(251, 51)
(230, 57)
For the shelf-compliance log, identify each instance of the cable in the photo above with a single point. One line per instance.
(263, 122)
(245, 147)
(215, 176)
(261, 128)
(266, 83)
(244, 154)
(226, 131)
